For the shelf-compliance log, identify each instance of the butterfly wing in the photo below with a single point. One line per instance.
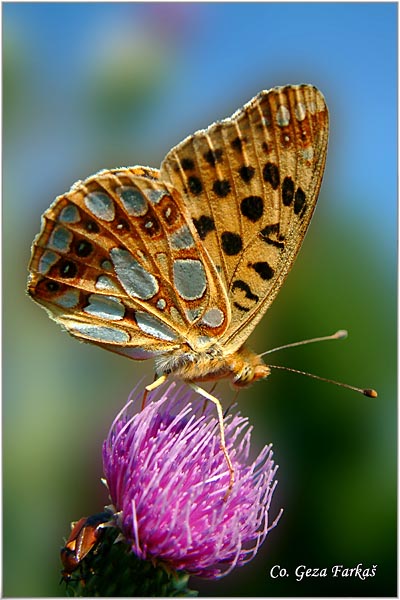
(250, 184)
(142, 264)
(119, 263)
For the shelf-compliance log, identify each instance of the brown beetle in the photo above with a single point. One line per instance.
(83, 537)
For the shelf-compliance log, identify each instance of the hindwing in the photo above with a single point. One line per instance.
(118, 262)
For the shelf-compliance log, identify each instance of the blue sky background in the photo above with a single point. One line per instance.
(100, 85)
(216, 57)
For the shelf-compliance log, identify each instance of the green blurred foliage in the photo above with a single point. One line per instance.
(336, 449)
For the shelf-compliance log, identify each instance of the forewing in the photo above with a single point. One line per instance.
(251, 184)
(119, 263)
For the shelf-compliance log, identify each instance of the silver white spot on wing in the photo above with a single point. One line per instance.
(182, 238)
(283, 116)
(105, 307)
(47, 260)
(312, 107)
(106, 265)
(161, 304)
(104, 282)
(189, 278)
(136, 353)
(101, 205)
(133, 201)
(193, 314)
(69, 214)
(214, 317)
(300, 111)
(154, 327)
(155, 195)
(136, 281)
(111, 335)
(308, 153)
(68, 299)
(60, 239)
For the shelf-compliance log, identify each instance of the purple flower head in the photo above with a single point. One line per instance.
(168, 479)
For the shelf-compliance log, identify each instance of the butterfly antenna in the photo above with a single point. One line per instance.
(367, 392)
(339, 335)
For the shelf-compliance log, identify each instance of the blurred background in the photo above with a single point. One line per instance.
(100, 85)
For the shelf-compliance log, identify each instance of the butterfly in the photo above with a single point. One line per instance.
(180, 264)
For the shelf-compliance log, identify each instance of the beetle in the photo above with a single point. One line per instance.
(84, 536)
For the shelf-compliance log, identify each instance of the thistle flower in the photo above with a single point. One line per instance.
(167, 478)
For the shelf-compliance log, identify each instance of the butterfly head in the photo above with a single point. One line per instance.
(247, 367)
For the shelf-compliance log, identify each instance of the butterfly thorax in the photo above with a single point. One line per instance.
(242, 367)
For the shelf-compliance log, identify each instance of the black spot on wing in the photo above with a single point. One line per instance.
(237, 144)
(52, 286)
(91, 226)
(271, 175)
(272, 228)
(221, 187)
(231, 243)
(187, 164)
(68, 269)
(123, 225)
(195, 185)
(287, 191)
(83, 248)
(266, 236)
(204, 225)
(299, 201)
(263, 269)
(150, 225)
(252, 208)
(246, 173)
(240, 307)
(242, 286)
(213, 156)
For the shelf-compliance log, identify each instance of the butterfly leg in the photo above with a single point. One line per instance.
(210, 392)
(159, 381)
(223, 447)
(152, 386)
